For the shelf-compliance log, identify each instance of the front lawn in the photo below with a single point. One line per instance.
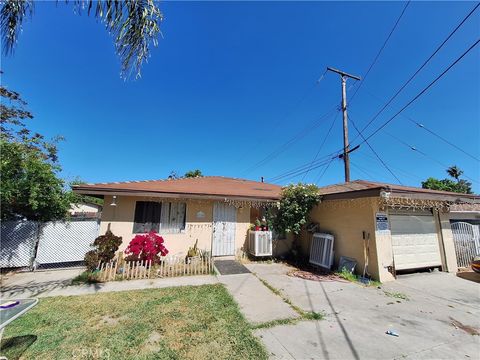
(201, 322)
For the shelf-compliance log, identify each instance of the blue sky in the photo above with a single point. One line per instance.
(230, 82)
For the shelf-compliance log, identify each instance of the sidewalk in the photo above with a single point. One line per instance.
(258, 303)
(56, 283)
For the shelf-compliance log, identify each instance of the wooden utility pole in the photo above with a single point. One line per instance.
(346, 157)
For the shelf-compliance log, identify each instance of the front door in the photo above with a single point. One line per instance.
(224, 220)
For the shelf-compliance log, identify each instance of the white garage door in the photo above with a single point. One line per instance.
(414, 241)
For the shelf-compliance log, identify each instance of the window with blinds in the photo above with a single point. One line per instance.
(162, 217)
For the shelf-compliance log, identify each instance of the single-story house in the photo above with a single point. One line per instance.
(85, 209)
(216, 211)
(390, 228)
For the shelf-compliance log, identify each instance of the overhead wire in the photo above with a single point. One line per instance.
(277, 124)
(429, 130)
(380, 50)
(417, 150)
(421, 67)
(422, 92)
(323, 142)
(374, 152)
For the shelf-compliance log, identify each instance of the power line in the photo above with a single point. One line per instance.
(421, 92)
(297, 105)
(417, 150)
(410, 102)
(324, 170)
(304, 132)
(442, 138)
(376, 154)
(323, 143)
(421, 67)
(381, 50)
(422, 126)
(301, 169)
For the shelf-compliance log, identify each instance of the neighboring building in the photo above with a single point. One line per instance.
(390, 228)
(216, 211)
(85, 210)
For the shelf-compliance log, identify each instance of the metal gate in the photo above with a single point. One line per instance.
(224, 220)
(466, 238)
(32, 244)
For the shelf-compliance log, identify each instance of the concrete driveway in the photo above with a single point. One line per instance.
(438, 321)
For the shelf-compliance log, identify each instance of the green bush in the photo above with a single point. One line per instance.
(105, 248)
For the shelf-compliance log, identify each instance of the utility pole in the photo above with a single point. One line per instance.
(346, 150)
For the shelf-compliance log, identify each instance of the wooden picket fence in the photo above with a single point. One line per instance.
(168, 267)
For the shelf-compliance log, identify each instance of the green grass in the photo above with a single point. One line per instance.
(347, 275)
(304, 315)
(202, 322)
(396, 295)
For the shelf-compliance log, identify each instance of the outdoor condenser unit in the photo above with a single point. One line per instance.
(260, 243)
(321, 250)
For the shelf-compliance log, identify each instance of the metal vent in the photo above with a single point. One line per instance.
(321, 250)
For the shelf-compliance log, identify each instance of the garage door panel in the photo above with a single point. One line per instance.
(414, 241)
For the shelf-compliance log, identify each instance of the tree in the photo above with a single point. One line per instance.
(454, 172)
(29, 186)
(134, 24)
(458, 186)
(193, 173)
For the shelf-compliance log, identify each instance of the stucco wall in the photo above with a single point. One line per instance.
(121, 218)
(346, 220)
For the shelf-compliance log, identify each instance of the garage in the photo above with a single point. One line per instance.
(414, 240)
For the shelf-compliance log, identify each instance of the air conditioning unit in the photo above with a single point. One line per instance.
(321, 250)
(260, 243)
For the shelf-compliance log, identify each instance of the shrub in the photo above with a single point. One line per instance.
(91, 260)
(107, 245)
(105, 248)
(294, 207)
(146, 247)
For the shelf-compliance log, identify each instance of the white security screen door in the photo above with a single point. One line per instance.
(414, 241)
(224, 221)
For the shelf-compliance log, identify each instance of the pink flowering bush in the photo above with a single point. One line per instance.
(146, 247)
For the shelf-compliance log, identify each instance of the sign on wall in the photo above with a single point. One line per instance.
(381, 221)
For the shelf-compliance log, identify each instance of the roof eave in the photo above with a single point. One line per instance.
(159, 194)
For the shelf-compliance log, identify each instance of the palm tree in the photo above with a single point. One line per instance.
(455, 172)
(134, 24)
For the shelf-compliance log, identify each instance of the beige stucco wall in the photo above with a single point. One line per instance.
(346, 220)
(121, 218)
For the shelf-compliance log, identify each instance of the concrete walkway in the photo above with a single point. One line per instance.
(57, 283)
(257, 303)
(436, 322)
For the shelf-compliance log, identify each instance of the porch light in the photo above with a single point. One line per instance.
(114, 201)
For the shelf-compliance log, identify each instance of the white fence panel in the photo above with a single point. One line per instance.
(62, 242)
(467, 242)
(17, 243)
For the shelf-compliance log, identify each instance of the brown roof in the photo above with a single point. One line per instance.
(370, 187)
(213, 186)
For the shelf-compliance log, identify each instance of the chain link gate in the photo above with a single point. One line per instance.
(36, 245)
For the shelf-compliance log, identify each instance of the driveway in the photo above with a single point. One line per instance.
(436, 322)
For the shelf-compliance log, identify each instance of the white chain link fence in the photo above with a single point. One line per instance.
(31, 244)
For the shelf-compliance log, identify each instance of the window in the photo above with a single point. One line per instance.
(162, 217)
(147, 216)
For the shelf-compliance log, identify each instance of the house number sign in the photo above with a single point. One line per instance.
(381, 220)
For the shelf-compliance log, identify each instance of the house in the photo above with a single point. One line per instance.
(85, 209)
(390, 228)
(216, 211)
